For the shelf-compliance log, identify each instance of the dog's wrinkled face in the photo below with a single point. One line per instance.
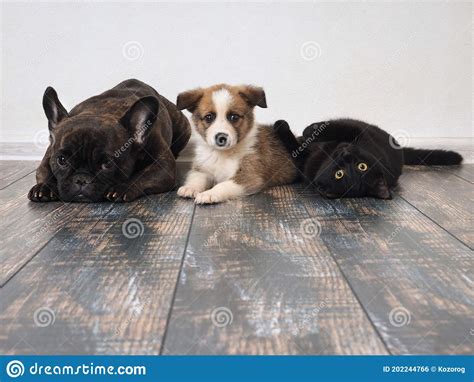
(222, 114)
(90, 153)
(350, 172)
(84, 162)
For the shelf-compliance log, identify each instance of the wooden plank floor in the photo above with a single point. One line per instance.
(281, 272)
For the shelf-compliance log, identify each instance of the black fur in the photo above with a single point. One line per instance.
(116, 146)
(370, 159)
(431, 157)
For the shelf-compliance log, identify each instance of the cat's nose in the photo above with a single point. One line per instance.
(319, 186)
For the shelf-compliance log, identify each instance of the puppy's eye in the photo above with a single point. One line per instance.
(339, 174)
(61, 160)
(106, 165)
(362, 166)
(209, 118)
(233, 117)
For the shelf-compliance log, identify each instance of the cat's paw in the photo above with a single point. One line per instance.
(122, 193)
(187, 192)
(43, 192)
(208, 197)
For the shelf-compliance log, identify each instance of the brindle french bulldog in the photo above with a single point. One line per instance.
(115, 146)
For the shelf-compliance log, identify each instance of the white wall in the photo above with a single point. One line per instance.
(400, 65)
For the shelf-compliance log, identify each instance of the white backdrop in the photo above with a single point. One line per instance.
(401, 65)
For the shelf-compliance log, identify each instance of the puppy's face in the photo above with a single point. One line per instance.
(222, 114)
(90, 153)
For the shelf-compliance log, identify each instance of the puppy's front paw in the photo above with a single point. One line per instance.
(187, 192)
(43, 192)
(207, 197)
(122, 193)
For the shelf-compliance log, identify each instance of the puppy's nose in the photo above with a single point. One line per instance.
(81, 180)
(221, 139)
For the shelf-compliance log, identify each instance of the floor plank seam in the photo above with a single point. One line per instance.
(460, 177)
(45, 244)
(385, 345)
(168, 318)
(24, 176)
(435, 222)
(27, 262)
(451, 171)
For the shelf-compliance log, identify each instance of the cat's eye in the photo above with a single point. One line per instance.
(61, 160)
(209, 118)
(339, 174)
(362, 166)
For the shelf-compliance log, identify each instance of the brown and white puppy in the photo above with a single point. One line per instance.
(234, 156)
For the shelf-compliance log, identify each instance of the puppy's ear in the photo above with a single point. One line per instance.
(188, 100)
(254, 95)
(139, 119)
(54, 110)
(380, 190)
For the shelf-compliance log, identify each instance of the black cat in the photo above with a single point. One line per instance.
(349, 158)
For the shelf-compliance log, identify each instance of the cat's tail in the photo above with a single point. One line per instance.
(431, 157)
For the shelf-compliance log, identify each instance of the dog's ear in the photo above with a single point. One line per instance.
(139, 119)
(380, 189)
(54, 110)
(188, 100)
(253, 95)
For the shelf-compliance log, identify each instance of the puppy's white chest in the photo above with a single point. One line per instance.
(220, 166)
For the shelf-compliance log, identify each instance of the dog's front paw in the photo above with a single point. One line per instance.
(43, 192)
(122, 193)
(187, 192)
(207, 197)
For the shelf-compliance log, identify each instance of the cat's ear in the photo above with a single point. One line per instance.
(380, 189)
(310, 131)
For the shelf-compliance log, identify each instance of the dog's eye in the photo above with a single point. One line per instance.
(209, 118)
(339, 174)
(362, 166)
(61, 160)
(233, 117)
(106, 165)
